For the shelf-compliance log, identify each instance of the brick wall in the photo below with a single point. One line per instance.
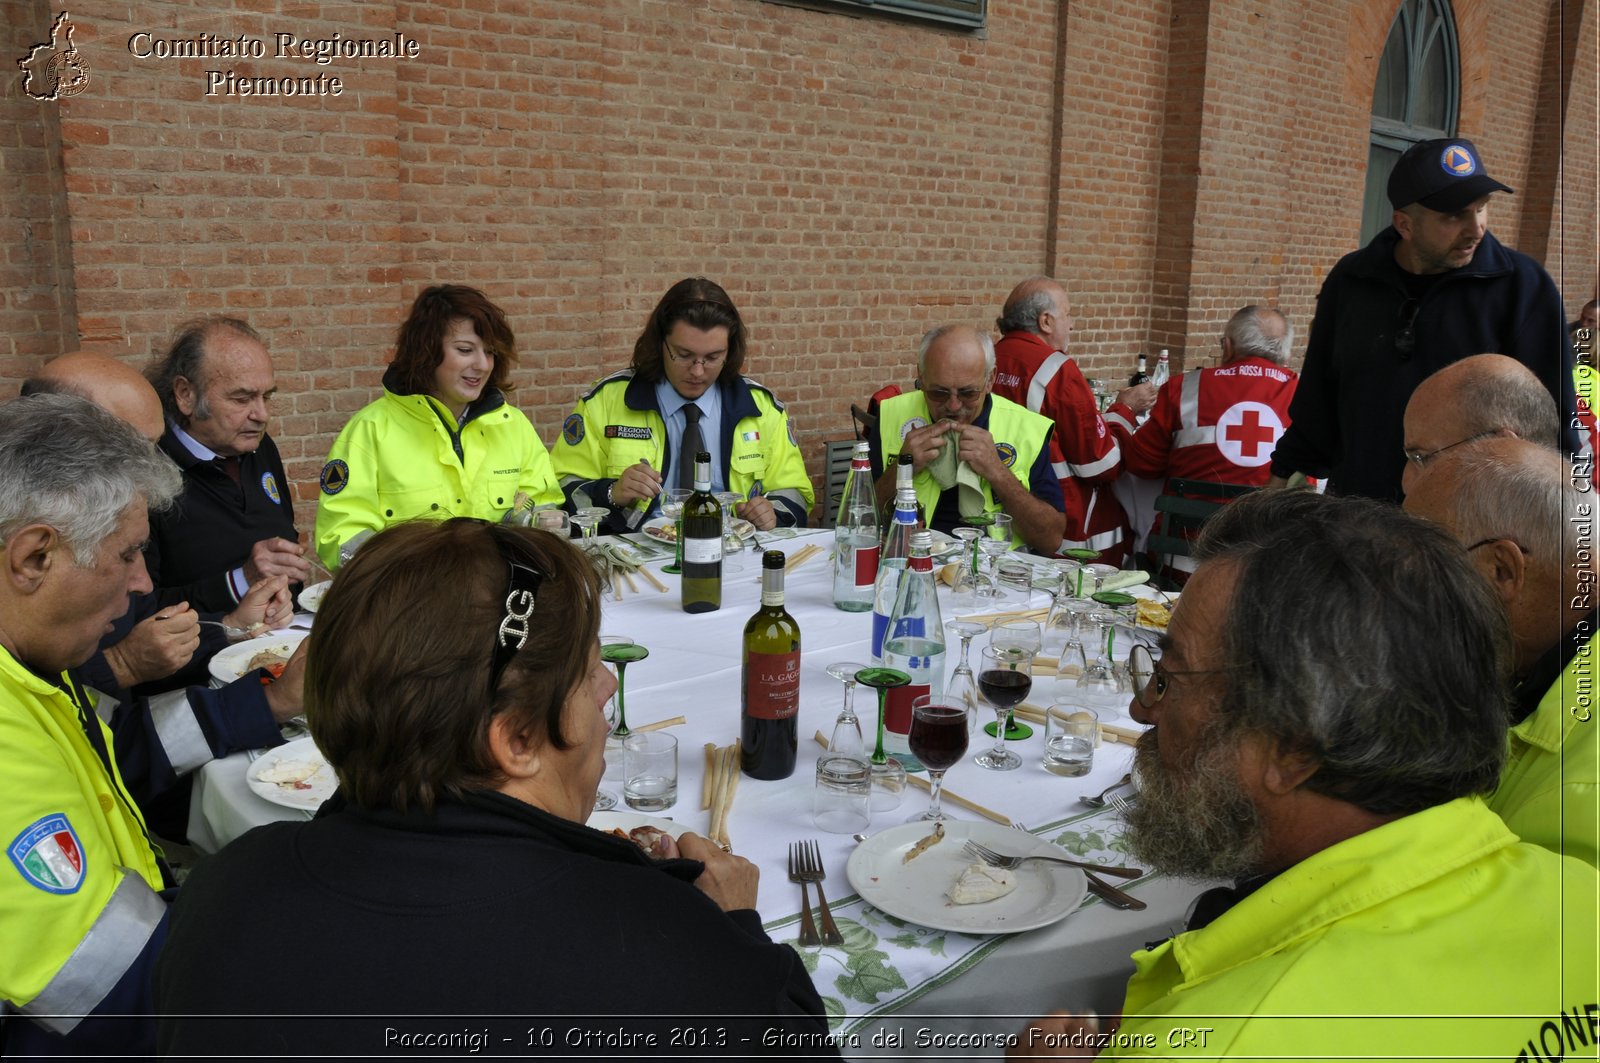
(851, 181)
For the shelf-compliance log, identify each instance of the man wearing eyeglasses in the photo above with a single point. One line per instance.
(636, 432)
(972, 452)
(1434, 287)
(1326, 716)
(1531, 533)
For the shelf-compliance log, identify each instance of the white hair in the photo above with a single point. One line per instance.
(933, 334)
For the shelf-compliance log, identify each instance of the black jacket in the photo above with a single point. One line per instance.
(209, 531)
(487, 907)
(1346, 417)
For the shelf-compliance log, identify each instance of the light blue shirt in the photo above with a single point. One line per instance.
(671, 405)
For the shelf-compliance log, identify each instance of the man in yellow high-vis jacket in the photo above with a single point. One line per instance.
(972, 452)
(1326, 714)
(83, 903)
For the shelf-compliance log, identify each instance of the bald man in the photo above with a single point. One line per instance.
(971, 452)
(119, 389)
(1530, 532)
(1485, 395)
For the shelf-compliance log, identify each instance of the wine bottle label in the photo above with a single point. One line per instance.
(866, 567)
(897, 707)
(771, 685)
(702, 551)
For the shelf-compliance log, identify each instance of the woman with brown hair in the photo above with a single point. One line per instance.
(442, 441)
(454, 683)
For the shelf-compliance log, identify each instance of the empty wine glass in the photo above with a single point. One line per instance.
(963, 685)
(965, 590)
(605, 799)
(731, 543)
(996, 541)
(938, 738)
(588, 519)
(888, 774)
(847, 728)
(1098, 677)
(619, 654)
(1004, 680)
(672, 500)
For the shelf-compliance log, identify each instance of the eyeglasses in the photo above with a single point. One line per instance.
(942, 396)
(689, 361)
(1150, 680)
(1420, 458)
(1405, 341)
(1500, 539)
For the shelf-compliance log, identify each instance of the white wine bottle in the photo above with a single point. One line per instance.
(770, 692)
(702, 543)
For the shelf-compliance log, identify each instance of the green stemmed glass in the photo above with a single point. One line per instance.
(888, 774)
(619, 655)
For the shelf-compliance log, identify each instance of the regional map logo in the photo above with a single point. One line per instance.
(55, 69)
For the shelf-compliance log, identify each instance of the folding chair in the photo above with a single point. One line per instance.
(1183, 507)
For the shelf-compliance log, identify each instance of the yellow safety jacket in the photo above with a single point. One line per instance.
(1019, 437)
(1549, 792)
(618, 424)
(404, 457)
(1436, 935)
(80, 885)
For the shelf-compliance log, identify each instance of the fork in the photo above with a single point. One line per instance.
(1100, 800)
(1121, 805)
(811, 870)
(1100, 887)
(808, 929)
(235, 634)
(1011, 863)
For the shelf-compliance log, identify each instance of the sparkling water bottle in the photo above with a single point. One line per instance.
(913, 644)
(855, 538)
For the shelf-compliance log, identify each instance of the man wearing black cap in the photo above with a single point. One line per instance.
(1433, 288)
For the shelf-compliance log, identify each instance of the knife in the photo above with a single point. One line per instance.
(1113, 896)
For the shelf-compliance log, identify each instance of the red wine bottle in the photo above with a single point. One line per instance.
(770, 692)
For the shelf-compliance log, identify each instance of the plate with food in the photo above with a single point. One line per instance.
(271, 652)
(311, 597)
(914, 873)
(295, 775)
(661, 529)
(641, 830)
(943, 545)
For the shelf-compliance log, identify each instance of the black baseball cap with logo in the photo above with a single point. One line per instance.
(1442, 175)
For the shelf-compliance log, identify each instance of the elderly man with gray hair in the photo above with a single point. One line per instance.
(1531, 532)
(1327, 712)
(1218, 424)
(83, 902)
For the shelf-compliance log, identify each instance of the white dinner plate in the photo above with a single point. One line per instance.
(233, 662)
(309, 792)
(311, 597)
(611, 820)
(1045, 893)
(661, 529)
(943, 545)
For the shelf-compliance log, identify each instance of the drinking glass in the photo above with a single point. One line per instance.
(1100, 574)
(731, 543)
(939, 739)
(1080, 581)
(1023, 635)
(996, 541)
(1070, 732)
(605, 800)
(552, 519)
(672, 500)
(847, 728)
(650, 771)
(888, 774)
(963, 685)
(965, 590)
(1098, 678)
(1005, 681)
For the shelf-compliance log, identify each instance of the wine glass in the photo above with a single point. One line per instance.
(1005, 681)
(888, 774)
(588, 519)
(996, 541)
(1078, 577)
(672, 500)
(1098, 678)
(939, 739)
(847, 728)
(731, 543)
(965, 590)
(605, 799)
(619, 654)
(1022, 635)
(963, 685)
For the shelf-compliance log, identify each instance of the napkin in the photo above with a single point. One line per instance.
(950, 471)
(1118, 580)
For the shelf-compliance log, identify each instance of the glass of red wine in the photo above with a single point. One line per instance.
(939, 739)
(1004, 680)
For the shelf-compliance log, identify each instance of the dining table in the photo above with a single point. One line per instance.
(895, 987)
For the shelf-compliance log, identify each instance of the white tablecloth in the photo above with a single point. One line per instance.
(693, 670)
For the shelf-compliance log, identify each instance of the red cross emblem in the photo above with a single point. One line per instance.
(1247, 432)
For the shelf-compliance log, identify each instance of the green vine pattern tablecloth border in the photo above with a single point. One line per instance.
(886, 963)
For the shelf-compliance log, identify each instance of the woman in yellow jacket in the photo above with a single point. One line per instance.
(442, 441)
